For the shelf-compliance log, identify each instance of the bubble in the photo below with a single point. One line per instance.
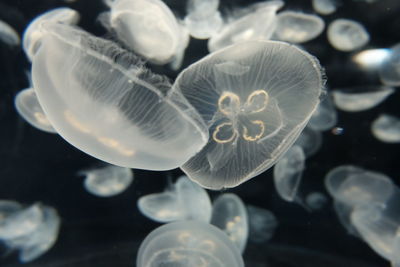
(8, 35)
(386, 128)
(347, 35)
(389, 71)
(262, 224)
(325, 116)
(310, 141)
(324, 7)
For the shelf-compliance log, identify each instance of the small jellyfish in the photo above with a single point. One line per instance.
(288, 172)
(262, 224)
(28, 107)
(8, 35)
(347, 35)
(389, 71)
(297, 27)
(135, 125)
(188, 243)
(371, 59)
(185, 200)
(310, 141)
(257, 22)
(34, 32)
(253, 111)
(353, 100)
(107, 181)
(386, 128)
(230, 215)
(324, 7)
(316, 200)
(325, 116)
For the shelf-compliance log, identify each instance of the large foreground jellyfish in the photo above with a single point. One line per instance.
(102, 100)
(256, 98)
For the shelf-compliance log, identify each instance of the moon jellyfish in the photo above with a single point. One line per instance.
(262, 224)
(34, 32)
(288, 172)
(356, 100)
(297, 27)
(135, 125)
(347, 35)
(316, 200)
(386, 128)
(148, 27)
(371, 59)
(107, 181)
(230, 215)
(310, 141)
(255, 97)
(188, 243)
(8, 35)
(28, 107)
(325, 116)
(186, 200)
(324, 7)
(389, 71)
(258, 22)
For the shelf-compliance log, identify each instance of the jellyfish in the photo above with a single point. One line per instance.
(297, 27)
(371, 59)
(257, 23)
(34, 32)
(188, 243)
(324, 7)
(185, 200)
(28, 107)
(230, 215)
(255, 98)
(310, 140)
(316, 200)
(107, 181)
(354, 100)
(389, 71)
(8, 35)
(386, 128)
(135, 124)
(262, 224)
(325, 116)
(347, 35)
(148, 27)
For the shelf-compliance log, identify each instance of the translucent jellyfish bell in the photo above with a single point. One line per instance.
(8, 35)
(310, 140)
(324, 7)
(253, 111)
(386, 128)
(389, 71)
(188, 243)
(325, 116)
(316, 200)
(135, 124)
(347, 35)
(262, 224)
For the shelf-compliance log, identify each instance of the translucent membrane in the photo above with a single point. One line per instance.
(347, 35)
(188, 243)
(253, 111)
(8, 35)
(371, 59)
(135, 125)
(325, 116)
(230, 215)
(310, 141)
(324, 7)
(386, 128)
(316, 200)
(262, 224)
(297, 27)
(390, 69)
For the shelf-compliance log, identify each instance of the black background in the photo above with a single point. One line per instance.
(36, 166)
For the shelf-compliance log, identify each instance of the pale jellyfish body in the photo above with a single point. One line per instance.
(262, 224)
(389, 71)
(230, 215)
(34, 32)
(310, 140)
(188, 243)
(386, 128)
(325, 116)
(316, 200)
(297, 27)
(324, 7)
(347, 35)
(8, 35)
(134, 124)
(253, 111)
(28, 107)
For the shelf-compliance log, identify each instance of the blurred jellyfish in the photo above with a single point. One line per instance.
(135, 124)
(253, 111)
(262, 224)
(28, 107)
(310, 141)
(325, 116)
(34, 32)
(8, 35)
(188, 243)
(148, 27)
(386, 128)
(347, 35)
(297, 27)
(186, 200)
(230, 215)
(324, 7)
(359, 100)
(288, 172)
(371, 59)
(316, 200)
(390, 69)
(107, 181)
(257, 22)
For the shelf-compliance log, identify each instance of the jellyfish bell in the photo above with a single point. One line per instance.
(389, 71)
(347, 35)
(253, 111)
(102, 99)
(8, 35)
(386, 128)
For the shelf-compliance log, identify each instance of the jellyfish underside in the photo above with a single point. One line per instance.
(386, 128)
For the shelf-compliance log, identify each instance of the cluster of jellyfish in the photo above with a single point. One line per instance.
(256, 101)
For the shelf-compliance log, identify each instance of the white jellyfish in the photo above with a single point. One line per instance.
(107, 181)
(185, 200)
(262, 224)
(230, 215)
(386, 128)
(325, 116)
(188, 243)
(8, 35)
(347, 35)
(316, 200)
(371, 59)
(351, 100)
(389, 71)
(324, 7)
(310, 140)
(297, 27)
(257, 22)
(255, 97)
(34, 32)
(135, 123)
